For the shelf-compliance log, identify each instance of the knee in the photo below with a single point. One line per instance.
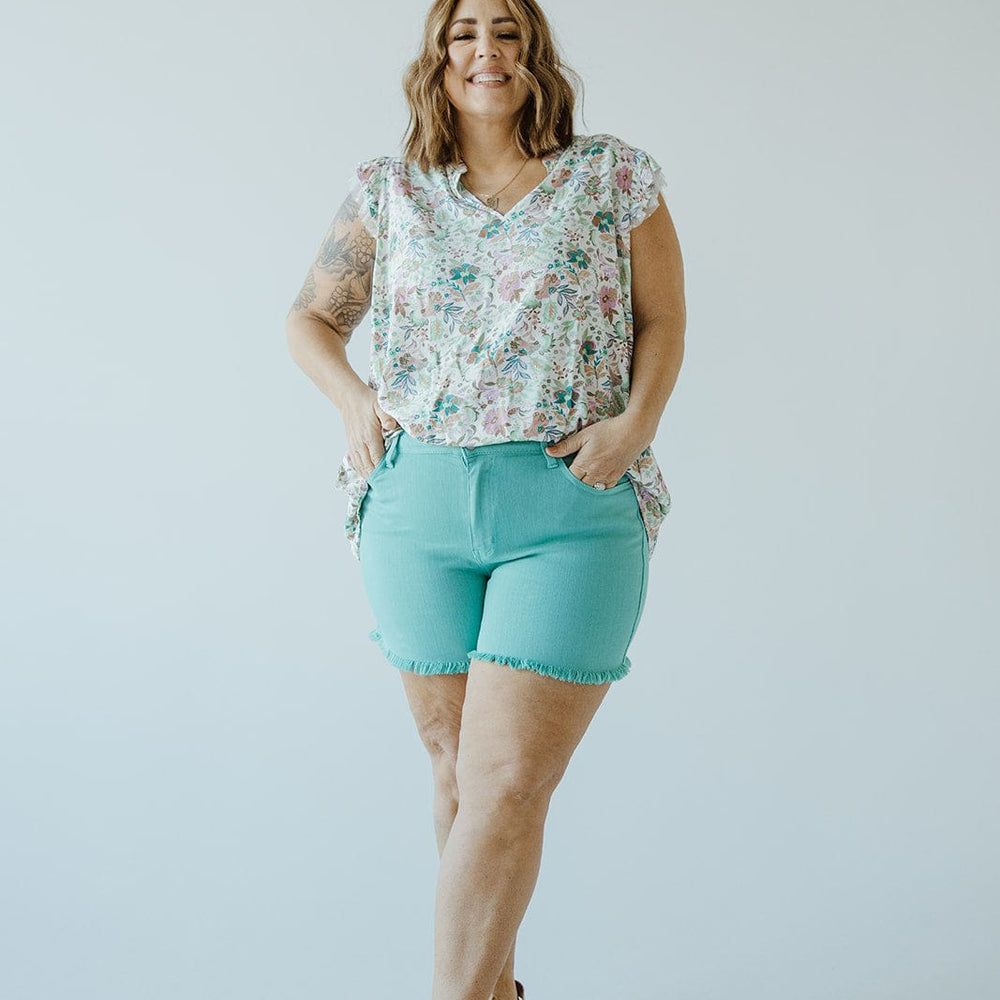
(442, 747)
(508, 782)
(445, 782)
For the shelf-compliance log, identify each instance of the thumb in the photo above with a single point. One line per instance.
(388, 421)
(564, 447)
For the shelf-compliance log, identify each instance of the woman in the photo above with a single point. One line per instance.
(528, 318)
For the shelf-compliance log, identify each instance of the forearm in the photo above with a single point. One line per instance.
(322, 354)
(657, 353)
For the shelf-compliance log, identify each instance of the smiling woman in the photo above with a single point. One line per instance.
(526, 296)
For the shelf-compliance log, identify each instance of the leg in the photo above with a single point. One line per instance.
(436, 701)
(519, 730)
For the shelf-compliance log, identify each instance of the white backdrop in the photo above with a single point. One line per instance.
(211, 786)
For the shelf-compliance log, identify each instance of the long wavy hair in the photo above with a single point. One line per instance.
(546, 122)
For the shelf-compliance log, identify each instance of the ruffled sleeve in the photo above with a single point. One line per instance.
(366, 188)
(639, 178)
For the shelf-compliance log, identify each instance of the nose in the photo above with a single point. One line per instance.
(487, 47)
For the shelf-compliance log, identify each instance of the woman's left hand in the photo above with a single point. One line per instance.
(604, 449)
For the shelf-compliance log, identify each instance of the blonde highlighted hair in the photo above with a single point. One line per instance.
(546, 122)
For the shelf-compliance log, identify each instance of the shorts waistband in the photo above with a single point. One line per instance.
(405, 441)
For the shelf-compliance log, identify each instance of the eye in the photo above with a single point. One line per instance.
(506, 34)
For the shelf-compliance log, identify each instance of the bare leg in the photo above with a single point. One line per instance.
(436, 702)
(519, 730)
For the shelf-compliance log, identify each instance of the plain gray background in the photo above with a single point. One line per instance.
(212, 788)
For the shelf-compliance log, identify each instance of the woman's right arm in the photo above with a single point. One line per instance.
(333, 300)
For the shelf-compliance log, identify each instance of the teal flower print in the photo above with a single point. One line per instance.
(443, 407)
(463, 275)
(494, 228)
(604, 221)
(566, 397)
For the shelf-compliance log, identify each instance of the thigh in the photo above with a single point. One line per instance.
(436, 703)
(519, 730)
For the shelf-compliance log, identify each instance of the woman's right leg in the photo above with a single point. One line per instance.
(436, 702)
(519, 730)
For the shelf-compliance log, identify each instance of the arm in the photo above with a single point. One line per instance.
(659, 320)
(333, 300)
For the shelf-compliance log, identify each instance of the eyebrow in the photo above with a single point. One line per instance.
(472, 20)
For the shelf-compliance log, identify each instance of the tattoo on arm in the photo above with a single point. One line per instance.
(343, 270)
(306, 296)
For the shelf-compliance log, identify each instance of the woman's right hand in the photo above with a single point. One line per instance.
(364, 425)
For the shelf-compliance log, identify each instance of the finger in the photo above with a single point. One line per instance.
(363, 462)
(376, 453)
(590, 478)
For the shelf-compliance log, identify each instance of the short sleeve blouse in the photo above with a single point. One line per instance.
(494, 327)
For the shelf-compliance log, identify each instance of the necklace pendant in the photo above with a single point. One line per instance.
(493, 202)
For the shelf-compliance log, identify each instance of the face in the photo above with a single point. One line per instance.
(476, 45)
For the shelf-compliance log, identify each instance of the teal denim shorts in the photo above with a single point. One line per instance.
(501, 553)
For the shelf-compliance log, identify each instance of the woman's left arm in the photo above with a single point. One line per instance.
(607, 447)
(659, 319)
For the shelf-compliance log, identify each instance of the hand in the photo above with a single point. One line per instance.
(365, 422)
(604, 449)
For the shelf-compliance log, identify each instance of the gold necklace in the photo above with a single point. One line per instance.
(493, 201)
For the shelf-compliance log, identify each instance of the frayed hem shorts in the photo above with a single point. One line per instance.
(501, 553)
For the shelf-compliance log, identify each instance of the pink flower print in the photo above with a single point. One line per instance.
(400, 305)
(488, 392)
(608, 298)
(623, 178)
(493, 422)
(402, 185)
(510, 287)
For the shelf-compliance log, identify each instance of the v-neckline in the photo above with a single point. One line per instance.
(457, 170)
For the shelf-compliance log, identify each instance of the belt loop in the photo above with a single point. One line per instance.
(550, 460)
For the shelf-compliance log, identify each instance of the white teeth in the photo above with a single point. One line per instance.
(487, 77)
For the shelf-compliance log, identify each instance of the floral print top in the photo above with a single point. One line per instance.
(514, 327)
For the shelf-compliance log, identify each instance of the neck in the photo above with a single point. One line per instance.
(488, 147)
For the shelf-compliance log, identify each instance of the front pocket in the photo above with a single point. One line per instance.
(389, 442)
(564, 467)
